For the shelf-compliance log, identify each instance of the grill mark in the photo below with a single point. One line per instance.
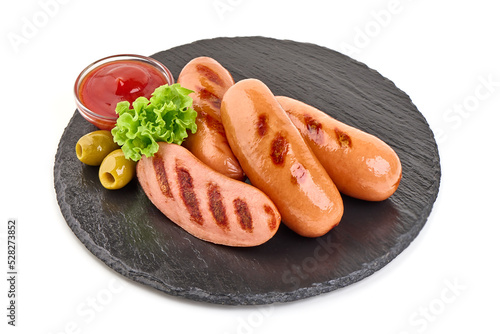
(161, 175)
(244, 216)
(217, 206)
(214, 124)
(343, 139)
(210, 74)
(209, 97)
(262, 125)
(314, 128)
(272, 218)
(279, 149)
(188, 195)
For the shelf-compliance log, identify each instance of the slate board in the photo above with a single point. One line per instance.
(125, 231)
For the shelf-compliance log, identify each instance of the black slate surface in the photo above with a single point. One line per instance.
(124, 230)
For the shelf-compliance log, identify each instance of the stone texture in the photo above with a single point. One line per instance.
(125, 231)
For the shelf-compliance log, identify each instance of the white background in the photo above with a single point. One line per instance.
(444, 55)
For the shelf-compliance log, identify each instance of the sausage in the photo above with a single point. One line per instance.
(360, 164)
(209, 80)
(277, 160)
(205, 203)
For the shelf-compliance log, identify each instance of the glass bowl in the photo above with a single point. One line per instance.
(107, 121)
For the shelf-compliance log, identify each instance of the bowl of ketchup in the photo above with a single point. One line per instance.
(104, 83)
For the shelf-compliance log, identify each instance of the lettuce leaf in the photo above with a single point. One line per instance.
(166, 116)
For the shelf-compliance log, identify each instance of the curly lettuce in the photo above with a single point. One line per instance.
(166, 116)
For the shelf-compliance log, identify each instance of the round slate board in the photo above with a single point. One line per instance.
(124, 230)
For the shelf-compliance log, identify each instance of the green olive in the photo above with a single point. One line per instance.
(92, 148)
(116, 170)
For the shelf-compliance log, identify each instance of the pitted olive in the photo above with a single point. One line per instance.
(116, 170)
(92, 148)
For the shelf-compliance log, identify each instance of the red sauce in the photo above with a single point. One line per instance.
(122, 80)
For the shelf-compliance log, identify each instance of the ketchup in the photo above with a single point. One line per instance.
(121, 80)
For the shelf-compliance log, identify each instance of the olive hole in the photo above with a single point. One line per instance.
(108, 178)
(79, 151)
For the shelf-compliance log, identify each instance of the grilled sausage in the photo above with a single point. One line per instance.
(277, 160)
(205, 203)
(360, 164)
(209, 80)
